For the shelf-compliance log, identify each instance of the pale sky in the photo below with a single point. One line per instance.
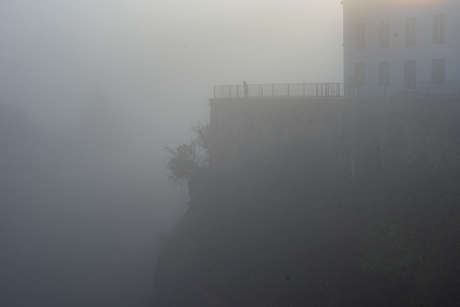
(105, 84)
(160, 58)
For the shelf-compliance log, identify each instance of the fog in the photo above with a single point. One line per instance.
(89, 93)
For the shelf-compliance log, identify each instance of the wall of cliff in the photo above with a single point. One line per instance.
(329, 203)
(366, 135)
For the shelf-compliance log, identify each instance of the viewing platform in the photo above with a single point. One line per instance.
(422, 89)
(293, 90)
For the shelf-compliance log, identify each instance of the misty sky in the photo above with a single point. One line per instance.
(158, 60)
(89, 93)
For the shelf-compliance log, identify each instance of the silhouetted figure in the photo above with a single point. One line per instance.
(246, 89)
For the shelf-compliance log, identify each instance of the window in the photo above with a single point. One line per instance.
(409, 74)
(411, 31)
(384, 73)
(359, 76)
(384, 34)
(360, 36)
(439, 28)
(437, 71)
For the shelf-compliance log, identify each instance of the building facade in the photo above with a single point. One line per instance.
(401, 46)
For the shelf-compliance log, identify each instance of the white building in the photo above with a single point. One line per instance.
(398, 46)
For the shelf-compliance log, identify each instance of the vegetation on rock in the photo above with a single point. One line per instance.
(300, 232)
(186, 159)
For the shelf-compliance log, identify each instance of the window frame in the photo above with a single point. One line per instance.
(360, 36)
(384, 73)
(438, 71)
(359, 77)
(410, 74)
(439, 29)
(411, 31)
(384, 34)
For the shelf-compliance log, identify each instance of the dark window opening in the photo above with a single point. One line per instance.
(359, 77)
(410, 76)
(384, 73)
(438, 71)
(439, 29)
(384, 34)
(411, 33)
(360, 43)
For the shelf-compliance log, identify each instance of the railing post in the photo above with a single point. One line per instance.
(288, 89)
(317, 90)
(304, 93)
(230, 91)
(273, 90)
(214, 92)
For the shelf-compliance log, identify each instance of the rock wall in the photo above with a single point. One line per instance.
(366, 136)
(276, 221)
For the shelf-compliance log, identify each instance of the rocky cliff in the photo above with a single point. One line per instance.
(353, 205)
(394, 133)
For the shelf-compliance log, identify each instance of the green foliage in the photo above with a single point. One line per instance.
(410, 247)
(392, 257)
(183, 163)
(186, 159)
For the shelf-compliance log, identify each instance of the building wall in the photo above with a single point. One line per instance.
(363, 135)
(372, 12)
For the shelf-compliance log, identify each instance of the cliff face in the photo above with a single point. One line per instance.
(392, 133)
(360, 209)
(257, 239)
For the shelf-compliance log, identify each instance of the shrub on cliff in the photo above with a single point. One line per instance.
(186, 159)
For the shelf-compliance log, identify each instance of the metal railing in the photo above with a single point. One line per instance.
(295, 90)
(422, 89)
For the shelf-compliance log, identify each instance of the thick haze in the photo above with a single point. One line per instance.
(89, 93)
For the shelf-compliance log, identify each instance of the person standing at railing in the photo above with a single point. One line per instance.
(246, 89)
